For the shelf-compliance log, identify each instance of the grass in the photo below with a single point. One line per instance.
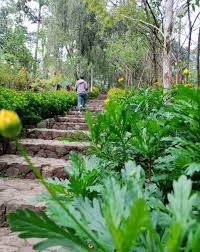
(75, 137)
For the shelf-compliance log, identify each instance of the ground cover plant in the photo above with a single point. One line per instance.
(33, 107)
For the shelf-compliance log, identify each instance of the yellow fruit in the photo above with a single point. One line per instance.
(186, 71)
(10, 124)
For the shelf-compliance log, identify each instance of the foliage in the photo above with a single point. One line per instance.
(160, 131)
(40, 84)
(116, 93)
(76, 136)
(121, 219)
(94, 92)
(13, 78)
(33, 107)
(182, 152)
(13, 46)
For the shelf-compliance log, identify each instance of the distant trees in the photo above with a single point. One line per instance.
(137, 40)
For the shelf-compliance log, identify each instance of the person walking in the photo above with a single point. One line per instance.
(81, 88)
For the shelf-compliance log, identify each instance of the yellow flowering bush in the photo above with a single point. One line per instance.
(115, 93)
(188, 85)
(10, 124)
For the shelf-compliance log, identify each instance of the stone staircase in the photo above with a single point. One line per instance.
(50, 155)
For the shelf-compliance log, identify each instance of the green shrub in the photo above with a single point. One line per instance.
(40, 84)
(94, 93)
(33, 107)
(14, 78)
(116, 93)
(159, 131)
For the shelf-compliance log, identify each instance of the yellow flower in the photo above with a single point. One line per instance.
(106, 101)
(10, 124)
(186, 71)
(121, 79)
(189, 85)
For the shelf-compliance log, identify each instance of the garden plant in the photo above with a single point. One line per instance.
(138, 190)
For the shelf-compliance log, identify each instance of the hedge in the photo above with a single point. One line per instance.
(34, 107)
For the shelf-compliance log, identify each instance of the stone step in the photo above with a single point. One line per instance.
(50, 134)
(48, 148)
(70, 126)
(10, 242)
(94, 108)
(52, 123)
(16, 166)
(17, 193)
(71, 119)
(80, 116)
(77, 113)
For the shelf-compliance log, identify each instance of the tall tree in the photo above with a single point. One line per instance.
(35, 16)
(167, 49)
(198, 60)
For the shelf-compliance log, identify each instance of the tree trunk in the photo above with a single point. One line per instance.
(168, 27)
(37, 38)
(154, 58)
(178, 54)
(190, 33)
(91, 84)
(198, 60)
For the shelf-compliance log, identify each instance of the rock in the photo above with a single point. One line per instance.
(2, 213)
(42, 153)
(51, 154)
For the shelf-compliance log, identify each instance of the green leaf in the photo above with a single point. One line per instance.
(125, 214)
(180, 205)
(137, 222)
(194, 241)
(174, 238)
(38, 225)
(180, 202)
(193, 168)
